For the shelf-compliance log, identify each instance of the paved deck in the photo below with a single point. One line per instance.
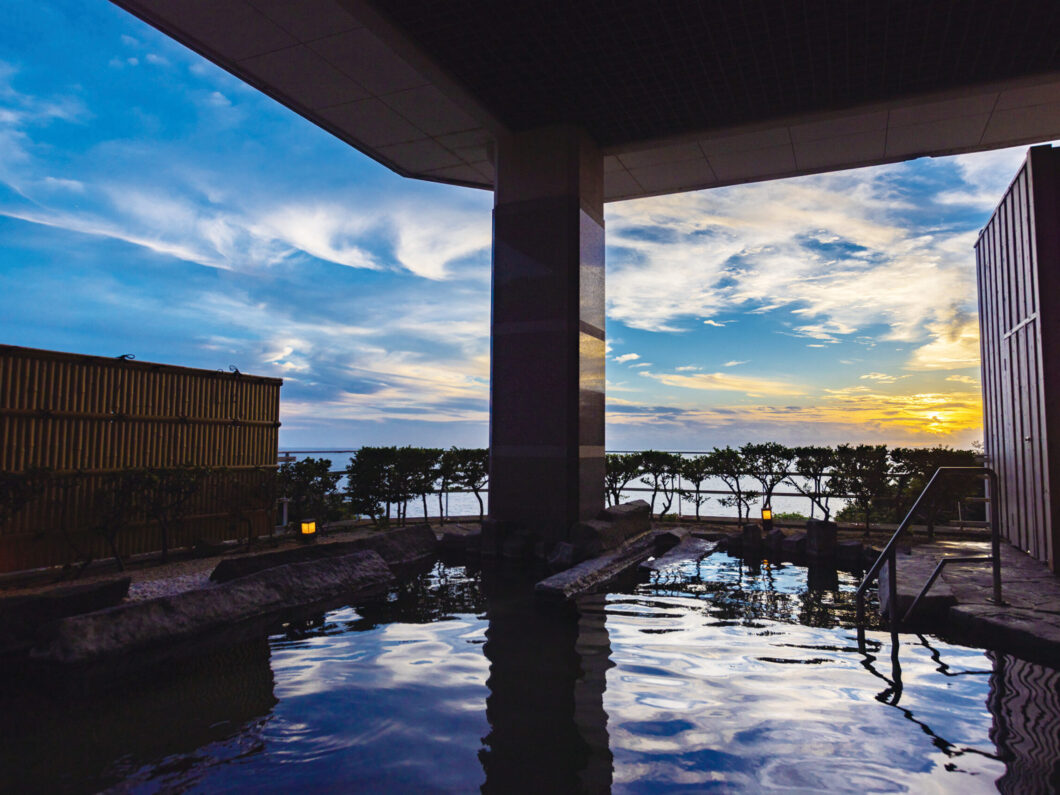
(959, 603)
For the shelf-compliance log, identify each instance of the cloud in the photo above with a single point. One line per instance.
(714, 323)
(626, 357)
(963, 379)
(881, 378)
(955, 345)
(857, 414)
(733, 363)
(845, 252)
(724, 382)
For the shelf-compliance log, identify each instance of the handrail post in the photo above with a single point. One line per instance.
(892, 587)
(995, 532)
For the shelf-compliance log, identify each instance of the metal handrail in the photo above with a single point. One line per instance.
(890, 552)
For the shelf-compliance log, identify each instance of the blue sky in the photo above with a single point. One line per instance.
(152, 204)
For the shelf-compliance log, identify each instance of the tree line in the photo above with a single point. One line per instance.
(380, 482)
(880, 483)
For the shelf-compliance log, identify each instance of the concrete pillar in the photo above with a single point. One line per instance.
(547, 358)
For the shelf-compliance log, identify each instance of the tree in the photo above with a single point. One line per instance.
(18, 489)
(424, 466)
(166, 493)
(620, 469)
(249, 492)
(310, 488)
(768, 463)
(728, 465)
(916, 466)
(368, 487)
(864, 474)
(473, 473)
(695, 470)
(115, 503)
(445, 473)
(660, 471)
(813, 467)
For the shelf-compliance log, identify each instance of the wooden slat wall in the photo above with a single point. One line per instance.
(1016, 260)
(84, 414)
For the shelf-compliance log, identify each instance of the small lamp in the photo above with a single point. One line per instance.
(767, 519)
(309, 530)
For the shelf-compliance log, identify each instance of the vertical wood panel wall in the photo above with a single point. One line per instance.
(85, 414)
(1018, 265)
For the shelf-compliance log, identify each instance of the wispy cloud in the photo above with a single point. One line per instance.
(626, 357)
(725, 382)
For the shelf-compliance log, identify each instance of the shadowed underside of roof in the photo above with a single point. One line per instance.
(679, 94)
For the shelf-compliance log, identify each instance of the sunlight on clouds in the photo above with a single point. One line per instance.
(834, 248)
(626, 357)
(724, 382)
(955, 345)
(856, 414)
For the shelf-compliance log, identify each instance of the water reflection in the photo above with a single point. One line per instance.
(712, 676)
(548, 728)
(52, 740)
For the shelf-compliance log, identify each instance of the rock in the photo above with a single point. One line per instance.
(455, 542)
(751, 537)
(613, 527)
(21, 615)
(148, 631)
(820, 539)
(690, 548)
(595, 573)
(732, 543)
(774, 542)
(631, 518)
(850, 554)
(561, 557)
(402, 546)
(794, 547)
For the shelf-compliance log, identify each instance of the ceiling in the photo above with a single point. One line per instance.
(681, 94)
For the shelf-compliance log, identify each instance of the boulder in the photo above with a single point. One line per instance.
(774, 542)
(690, 548)
(850, 554)
(154, 629)
(821, 539)
(595, 573)
(401, 546)
(794, 547)
(631, 518)
(22, 614)
(613, 527)
(751, 538)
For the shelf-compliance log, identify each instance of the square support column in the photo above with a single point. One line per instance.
(547, 352)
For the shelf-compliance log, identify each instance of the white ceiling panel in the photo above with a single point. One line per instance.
(362, 56)
(372, 123)
(308, 19)
(300, 72)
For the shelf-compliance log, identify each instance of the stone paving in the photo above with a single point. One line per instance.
(960, 602)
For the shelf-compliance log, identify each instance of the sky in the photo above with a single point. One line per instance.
(152, 204)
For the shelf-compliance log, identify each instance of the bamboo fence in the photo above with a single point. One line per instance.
(83, 418)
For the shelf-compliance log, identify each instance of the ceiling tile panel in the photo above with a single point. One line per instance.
(429, 109)
(361, 55)
(233, 29)
(372, 123)
(301, 74)
(308, 19)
